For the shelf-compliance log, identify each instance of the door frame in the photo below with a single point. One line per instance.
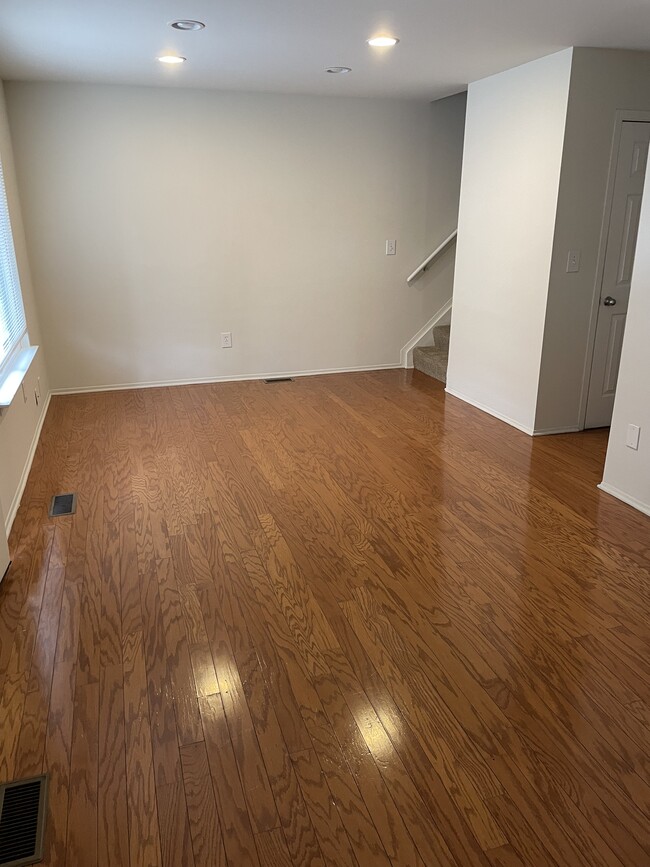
(622, 115)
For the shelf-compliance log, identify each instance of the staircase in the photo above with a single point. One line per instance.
(432, 360)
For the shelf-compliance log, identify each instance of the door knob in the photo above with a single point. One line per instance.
(609, 301)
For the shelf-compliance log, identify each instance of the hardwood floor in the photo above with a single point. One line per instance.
(341, 622)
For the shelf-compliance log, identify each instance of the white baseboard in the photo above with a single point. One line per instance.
(490, 411)
(545, 431)
(15, 503)
(206, 380)
(625, 498)
(406, 352)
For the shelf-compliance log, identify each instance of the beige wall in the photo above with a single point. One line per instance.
(511, 173)
(627, 471)
(602, 81)
(19, 423)
(159, 218)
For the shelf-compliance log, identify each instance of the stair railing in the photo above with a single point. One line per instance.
(424, 265)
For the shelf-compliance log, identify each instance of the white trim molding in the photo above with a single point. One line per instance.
(15, 503)
(532, 432)
(14, 373)
(547, 431)
(406, 352)
(625, 498)
(490, 411)
(206, 380)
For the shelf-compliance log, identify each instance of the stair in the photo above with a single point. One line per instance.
(432, 360)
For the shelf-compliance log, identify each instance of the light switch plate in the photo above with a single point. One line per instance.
(632, 438)
(573, 262)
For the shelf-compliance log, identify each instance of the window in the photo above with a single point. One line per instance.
(12, 313)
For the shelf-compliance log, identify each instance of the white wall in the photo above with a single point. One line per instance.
(602, 81)
(20, 422)
(627, 472)
(510, 179)
(159, 218)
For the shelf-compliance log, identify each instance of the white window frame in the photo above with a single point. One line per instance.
(14, 367)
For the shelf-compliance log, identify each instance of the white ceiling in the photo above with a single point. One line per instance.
(285, 45)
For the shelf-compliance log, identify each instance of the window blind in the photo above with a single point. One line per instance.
(12, 313)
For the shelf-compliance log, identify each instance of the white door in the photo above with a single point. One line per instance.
(619, 259)
(4, 550)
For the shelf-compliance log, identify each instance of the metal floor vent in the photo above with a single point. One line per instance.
(63, 504)
(280, 379)
(23, 807)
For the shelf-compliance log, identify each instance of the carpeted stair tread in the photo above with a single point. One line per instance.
(431, 360)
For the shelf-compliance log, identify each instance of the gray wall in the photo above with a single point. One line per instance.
(602, 81)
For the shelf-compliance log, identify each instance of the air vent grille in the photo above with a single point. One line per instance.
(280, 379)
(63, 504)
(22, 821)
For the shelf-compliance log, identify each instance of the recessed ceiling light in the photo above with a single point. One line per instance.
(187, 24)
(383, 41)
(338, 70)
(172, 58)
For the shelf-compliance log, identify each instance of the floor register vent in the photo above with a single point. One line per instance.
(280, 379)
(63, 504)
(23, 806)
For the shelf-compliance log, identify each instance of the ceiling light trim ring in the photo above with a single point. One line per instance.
(186, 25)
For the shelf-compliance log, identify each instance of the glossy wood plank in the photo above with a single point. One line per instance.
(343, 621)
(332, 837)
(188, 721)
(297, 827)
(239, 841)
(29, 758)
(81, 847)
(207, 839)
(58, 746)
(272, 849)
(113, 828)
(250, 763)
(144, 829)
(175, 834)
